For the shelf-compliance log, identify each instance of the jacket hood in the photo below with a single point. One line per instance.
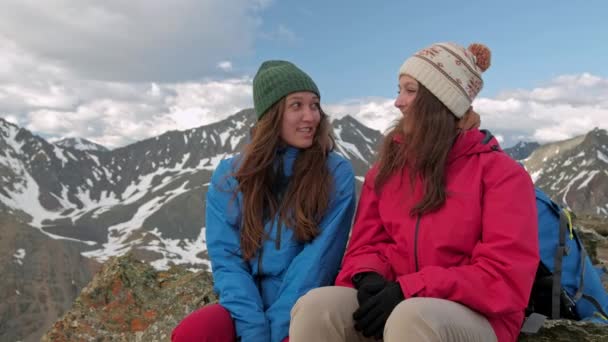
(467, 143)
(471, 142)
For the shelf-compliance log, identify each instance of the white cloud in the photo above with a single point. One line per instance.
(109, 76)
(53, 101)
(225, 65)
(12, 119)
(133, 40)
(378, 113)
(115, 114)
(114, 121)
(565, 107)
(113, 88)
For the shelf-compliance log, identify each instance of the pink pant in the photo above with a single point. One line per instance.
(211, 323)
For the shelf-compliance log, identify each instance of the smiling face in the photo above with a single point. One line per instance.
(300, 119)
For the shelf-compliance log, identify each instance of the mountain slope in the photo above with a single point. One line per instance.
(80, 144)
(40, 279)
(147, 196)
(62, 209)
(574, 172)
(522, 149)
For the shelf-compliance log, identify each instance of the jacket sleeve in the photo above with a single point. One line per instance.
(503, 264)
(368, 241)
(318, 262)
(232, 277)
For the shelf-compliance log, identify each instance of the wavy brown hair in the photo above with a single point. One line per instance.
(307, 195)
(423, 148)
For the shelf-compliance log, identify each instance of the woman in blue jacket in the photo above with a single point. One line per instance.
(278, 215)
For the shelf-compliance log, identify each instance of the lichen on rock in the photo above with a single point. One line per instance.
(130, 301)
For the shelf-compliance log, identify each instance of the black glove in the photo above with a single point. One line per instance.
(368, 284)
(371, 317)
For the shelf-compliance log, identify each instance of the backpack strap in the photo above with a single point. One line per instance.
(556, 288)
(581, 284)
(579, 293)
(600, 311)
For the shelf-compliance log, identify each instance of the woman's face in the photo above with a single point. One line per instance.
(300, 119)
(408, 89)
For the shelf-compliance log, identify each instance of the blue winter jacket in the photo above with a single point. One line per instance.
(259, 294)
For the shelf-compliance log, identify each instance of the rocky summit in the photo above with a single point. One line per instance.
(129, 300)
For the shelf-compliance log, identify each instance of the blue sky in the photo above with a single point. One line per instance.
(116, 72)
(354, 48)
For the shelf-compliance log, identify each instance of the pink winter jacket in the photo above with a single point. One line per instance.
(479, 249)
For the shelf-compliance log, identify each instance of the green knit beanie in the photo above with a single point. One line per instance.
(275, 80)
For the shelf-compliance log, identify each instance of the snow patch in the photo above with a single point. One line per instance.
(24, 196)
(235, 140)
(589, 178)
(59, 154)
(59, 237)
(120, 234)
(11, 138)
(368, 140)
(569, 185)
(535, 175)
(78, 144)
(352, 148)
(224, 136)
(177, 251)
(19, 256)
(94, 157)
(337, 132)
(601, 156)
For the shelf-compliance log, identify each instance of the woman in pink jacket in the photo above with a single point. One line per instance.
(444, 245)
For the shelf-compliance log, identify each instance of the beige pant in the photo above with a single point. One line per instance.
(326, 314)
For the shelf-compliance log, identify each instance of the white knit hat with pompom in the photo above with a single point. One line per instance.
(450, 72)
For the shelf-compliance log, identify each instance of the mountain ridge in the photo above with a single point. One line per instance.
(147, 197)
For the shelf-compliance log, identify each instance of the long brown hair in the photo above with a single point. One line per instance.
(307, 195)
(423, 148)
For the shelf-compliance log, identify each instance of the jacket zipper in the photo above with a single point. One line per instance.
(277, 243)
(259, 277)
(416, 242)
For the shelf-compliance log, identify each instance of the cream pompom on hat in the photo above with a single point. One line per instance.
(451, 72)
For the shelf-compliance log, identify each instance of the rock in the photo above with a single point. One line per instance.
(568, 331)
(130, 301)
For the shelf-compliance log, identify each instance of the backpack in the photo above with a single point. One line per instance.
(567, 285)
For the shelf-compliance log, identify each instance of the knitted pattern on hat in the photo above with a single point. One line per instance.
(275, 80)
(451, 72)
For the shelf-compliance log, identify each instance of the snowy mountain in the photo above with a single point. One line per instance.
(65, 209)
(574, 172)
(522, 149)
(80, 144)
(147, 196)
